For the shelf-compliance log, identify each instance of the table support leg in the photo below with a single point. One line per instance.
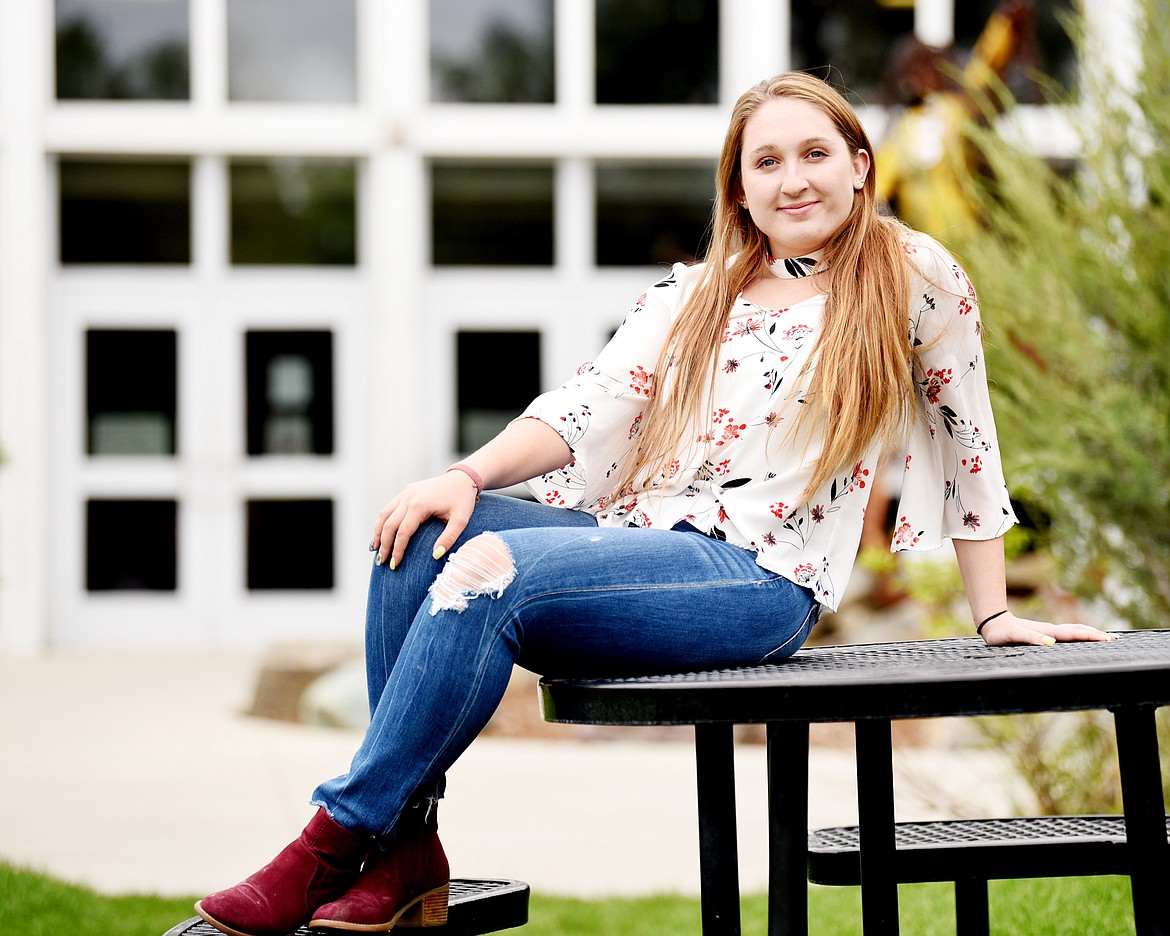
(875, 809)
(1145, 821)
(718, 849)
(787, 829)
(972, 916)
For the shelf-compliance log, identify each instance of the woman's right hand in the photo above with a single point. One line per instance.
(524, 449)
(450, 497)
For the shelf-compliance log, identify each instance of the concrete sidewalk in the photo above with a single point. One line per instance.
(141, 774)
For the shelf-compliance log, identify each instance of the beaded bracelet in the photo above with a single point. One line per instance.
(476, 479)
(987, 620)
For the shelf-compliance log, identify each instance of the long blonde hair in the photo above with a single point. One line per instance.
(860, 388)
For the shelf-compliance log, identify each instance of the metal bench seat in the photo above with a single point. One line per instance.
(475, 906)
(972, 851)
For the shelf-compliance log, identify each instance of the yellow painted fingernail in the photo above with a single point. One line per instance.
(1049, 641)
(440, 552)
(393, 563)
(378, 559)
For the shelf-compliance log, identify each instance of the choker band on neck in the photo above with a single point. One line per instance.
(796, 267)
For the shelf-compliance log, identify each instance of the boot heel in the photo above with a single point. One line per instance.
(429, 910)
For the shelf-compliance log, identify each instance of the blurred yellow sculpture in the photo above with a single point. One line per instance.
(923, 159)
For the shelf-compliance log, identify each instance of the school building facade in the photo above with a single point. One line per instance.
(262, 262)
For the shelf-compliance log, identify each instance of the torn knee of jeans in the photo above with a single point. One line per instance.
(482, 566)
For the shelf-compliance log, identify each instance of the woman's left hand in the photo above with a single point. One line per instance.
(1009, 629)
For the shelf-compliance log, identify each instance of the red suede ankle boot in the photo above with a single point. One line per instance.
(404, 886)
(281, 896)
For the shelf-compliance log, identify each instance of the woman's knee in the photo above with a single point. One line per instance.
(481, 566)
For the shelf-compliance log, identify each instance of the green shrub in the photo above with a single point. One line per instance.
(1073, 272)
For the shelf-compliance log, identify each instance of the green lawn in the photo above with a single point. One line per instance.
(33, 905)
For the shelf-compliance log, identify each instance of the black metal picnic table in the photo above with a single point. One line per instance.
(871, 685)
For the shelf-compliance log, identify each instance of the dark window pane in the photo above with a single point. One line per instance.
(485, 213)
(292, 50)
(122, 49)
(125, 211)
(131, 545)
(492, 51)
(1052, 53)
(657, 51)
(490, 395)
(275, 564)
(650, 213)
(130, 380)
(294, 211)
(290, 393)
(848, 42)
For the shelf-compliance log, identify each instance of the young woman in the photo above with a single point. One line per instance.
(702, 486)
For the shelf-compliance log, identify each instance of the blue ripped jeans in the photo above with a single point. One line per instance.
(547, 589)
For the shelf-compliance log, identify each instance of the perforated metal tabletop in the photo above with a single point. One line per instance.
(918, 678)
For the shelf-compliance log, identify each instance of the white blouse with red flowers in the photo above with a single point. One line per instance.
(741, 476)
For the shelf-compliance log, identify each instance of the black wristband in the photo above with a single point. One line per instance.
(987, 620)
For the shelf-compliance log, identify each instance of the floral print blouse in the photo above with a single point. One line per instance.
(736, 479)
